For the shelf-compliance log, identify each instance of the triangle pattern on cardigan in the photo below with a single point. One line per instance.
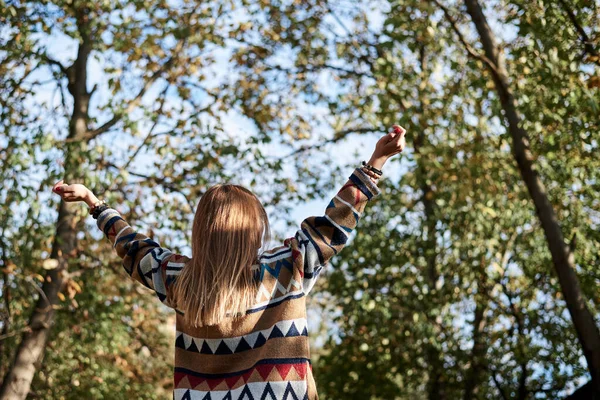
(264, 370)
(269, 391)
(227, 396)
(179, 341)
(207, 397)
(285, 328)
(246, 394)
(187, 341)
(232, 343)
(195, 380)
(223, 349)
(276, 333)
(212, 344)
(199, 343)
(251, 338)
(293, 331)
(273, 388)
(289, 391)
(193, 347)
(187, 396)
(283, 370)
(205, 349)
(242, 346)
(232, 381)
(260, 340)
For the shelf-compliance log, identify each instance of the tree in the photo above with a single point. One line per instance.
(447, 290)
(136, 118)
(484, 223)
(562, 255)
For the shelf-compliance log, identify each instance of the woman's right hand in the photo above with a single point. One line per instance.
(389, 145)
(75, 192)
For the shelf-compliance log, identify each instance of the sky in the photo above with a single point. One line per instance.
(349, 152)
(62, 48)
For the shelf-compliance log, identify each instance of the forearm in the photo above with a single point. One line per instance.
(377, 161)
(90, 199)
(143, 258)
(330, 231)
(320, 238)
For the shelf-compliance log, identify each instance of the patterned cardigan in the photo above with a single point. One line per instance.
(264, 354)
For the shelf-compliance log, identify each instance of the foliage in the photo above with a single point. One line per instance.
(447, 291)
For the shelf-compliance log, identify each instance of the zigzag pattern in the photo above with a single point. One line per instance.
(276, 280)
(274, 270)
(290, 390)
(281, 373)
(282, 329)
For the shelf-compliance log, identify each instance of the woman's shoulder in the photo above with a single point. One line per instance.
(275, 253)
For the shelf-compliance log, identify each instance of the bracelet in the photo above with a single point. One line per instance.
(370, 173)
(372, 168)
(95, 206)
(99, 210)
(372, 176)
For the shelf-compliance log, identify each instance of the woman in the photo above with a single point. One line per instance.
(241, 313)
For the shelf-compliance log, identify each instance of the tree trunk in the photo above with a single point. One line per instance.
(30, 353)
(477, 363)
(585, 392)
(436, 384)
(562, 257)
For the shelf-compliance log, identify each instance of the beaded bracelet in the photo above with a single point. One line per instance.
(372, 168)
(374, 177)
(96, 205)
(99, 210)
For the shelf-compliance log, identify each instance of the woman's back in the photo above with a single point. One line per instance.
(262, 355)
(265, 353)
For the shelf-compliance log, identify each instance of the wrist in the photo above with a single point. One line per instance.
(90, 199)
(377, 161)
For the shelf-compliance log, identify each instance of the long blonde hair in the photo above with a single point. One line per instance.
(230, 227)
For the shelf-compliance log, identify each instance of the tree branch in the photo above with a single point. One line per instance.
(317, 68)
(159, 180)
(588, 45)
(497, 384)
(52, 61)
(151, 131)
(472, 51)
(133, 103)
(15, 333)
(338, 136)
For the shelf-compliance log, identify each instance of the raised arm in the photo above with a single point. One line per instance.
(144, 260)
(322, 237)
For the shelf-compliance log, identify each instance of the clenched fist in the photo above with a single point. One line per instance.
(388, 146)
(75, 192)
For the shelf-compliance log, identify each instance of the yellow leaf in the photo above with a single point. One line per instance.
(50, 263)
(76, 286)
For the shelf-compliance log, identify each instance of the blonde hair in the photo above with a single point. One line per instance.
(230, 228)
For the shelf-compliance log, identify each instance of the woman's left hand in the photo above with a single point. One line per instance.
(74, 192)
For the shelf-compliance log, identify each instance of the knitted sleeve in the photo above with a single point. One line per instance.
(320, 238)
(143, 259)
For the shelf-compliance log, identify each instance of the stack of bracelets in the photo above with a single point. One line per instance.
(373, 172)
(98, 208)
